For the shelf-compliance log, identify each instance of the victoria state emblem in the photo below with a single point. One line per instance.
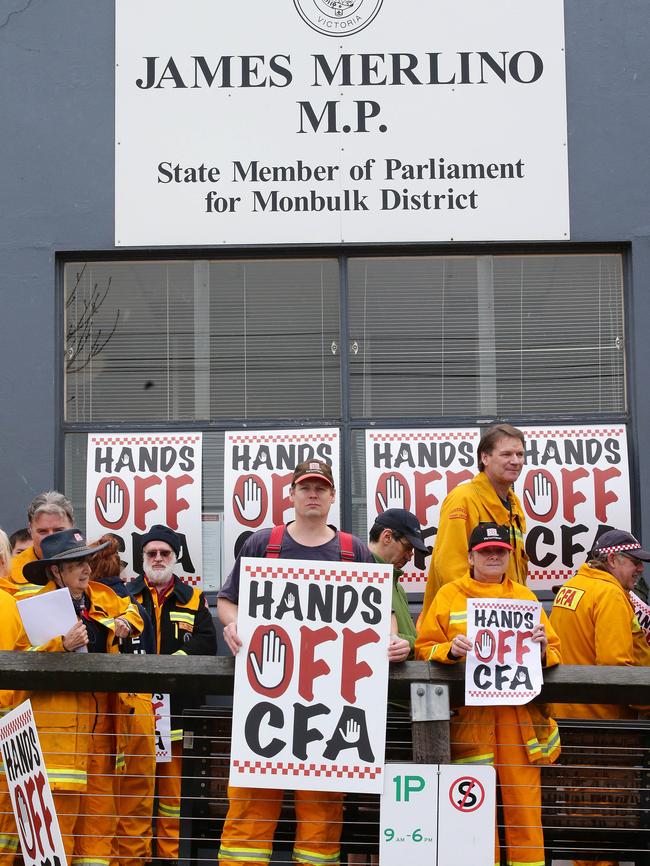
(338, 17)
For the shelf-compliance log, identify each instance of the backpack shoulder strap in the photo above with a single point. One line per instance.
(275, 542)
(347, 547)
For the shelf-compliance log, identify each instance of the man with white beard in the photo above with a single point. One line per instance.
(184, 625)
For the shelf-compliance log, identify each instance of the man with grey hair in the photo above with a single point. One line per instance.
(595, 619)
(48, 513)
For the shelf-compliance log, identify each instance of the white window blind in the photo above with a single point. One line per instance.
(201, 340)
(487, 336)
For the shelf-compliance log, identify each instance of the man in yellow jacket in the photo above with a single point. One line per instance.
(595, 619)
(597, 625)
(48, 513)
(488, 497)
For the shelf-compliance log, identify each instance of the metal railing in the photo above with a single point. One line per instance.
(595, 799)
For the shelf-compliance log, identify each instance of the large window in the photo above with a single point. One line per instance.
(221, 344)
(486, 336)
(201, 340)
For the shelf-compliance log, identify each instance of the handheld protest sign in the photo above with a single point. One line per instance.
(29, 789)
(162, 714)
(311, 679)
(642, 611)
(505, 666)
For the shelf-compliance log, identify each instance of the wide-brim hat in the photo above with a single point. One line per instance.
(66, 546)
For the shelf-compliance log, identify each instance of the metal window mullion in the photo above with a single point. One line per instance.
(202, 339)
(345, 498)
(486, 336)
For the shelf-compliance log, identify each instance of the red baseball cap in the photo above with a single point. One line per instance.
(313, 469)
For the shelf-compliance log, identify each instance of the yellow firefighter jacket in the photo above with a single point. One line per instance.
(467, 505)
(593, 615)
(473, 728)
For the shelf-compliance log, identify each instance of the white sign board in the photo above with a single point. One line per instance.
(504, 665)
(47, 615)
(135, 480)
(162, 715)
(420, 799)
(642, 611)
(258, 467)
(29, 789)
(311, 680)
(416, 469)
(339, 122)
(575, 484)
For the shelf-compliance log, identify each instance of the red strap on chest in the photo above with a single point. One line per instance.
(277, 534)
(275, 542)
(347, 548)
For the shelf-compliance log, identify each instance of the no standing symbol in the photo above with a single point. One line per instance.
(466, 794)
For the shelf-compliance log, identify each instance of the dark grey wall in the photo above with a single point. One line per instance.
(56, 181)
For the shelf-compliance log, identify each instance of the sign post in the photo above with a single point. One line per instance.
(420, 799)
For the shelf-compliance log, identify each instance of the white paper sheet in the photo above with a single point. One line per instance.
(47, 615)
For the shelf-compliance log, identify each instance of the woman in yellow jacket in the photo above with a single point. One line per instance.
(516, 739)
(76, 729)
(12, 637)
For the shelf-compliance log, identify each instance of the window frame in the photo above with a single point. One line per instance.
(347, 424)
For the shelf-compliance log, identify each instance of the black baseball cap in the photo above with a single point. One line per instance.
(405, 523)
(489, 535)
(618, 541)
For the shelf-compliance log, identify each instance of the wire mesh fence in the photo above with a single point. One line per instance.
(131, 809)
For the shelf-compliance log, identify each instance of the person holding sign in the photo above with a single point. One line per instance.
(594, 617)
(76, 728)
(516, 739)
(12, 637)
(487, 497)
(253, 813)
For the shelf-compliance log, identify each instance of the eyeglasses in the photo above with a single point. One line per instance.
(636, 561)
(163, 554)
(408, 547)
